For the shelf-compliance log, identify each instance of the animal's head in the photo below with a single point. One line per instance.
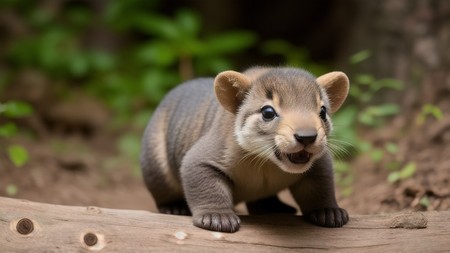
(282, 114)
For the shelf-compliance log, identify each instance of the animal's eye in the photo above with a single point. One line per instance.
(323, 113)
(268, 113)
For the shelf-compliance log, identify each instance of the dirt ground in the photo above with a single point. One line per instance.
(75, 162)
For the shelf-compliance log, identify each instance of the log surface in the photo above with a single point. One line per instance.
(27, 226)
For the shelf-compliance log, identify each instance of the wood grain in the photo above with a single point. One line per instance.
(57, 228)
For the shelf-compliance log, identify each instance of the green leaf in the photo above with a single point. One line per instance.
(228, 42)
(16, 109)
(391, 147)
(408, 170)
(430, 109)
(55, 50)
(365, 146)
(18, 155)
(344, 125)
(364, 79)
(7, 130)
(366, 118)
(158, 53)
(355, 92)
(424, 201)
(393, 165)
(188, 22)
(345, 117)
(393, 177)
(78, 65)
(377, 155)
(385, 109)
(347, 191)
(360, 56)
(390, 83)
(365, 97)
(372, 115)
(341, 167)
(157, 25)
(155, 83)
(11, 190)
(208, 65)
(102, 61)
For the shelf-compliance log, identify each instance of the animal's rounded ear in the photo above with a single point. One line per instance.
(336, 84)
(230, 88)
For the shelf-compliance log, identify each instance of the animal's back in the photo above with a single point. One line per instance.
(183, 116)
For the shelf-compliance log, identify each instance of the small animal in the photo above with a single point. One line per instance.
(243, 137)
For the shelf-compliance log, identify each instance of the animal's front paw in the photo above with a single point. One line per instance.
(328, 217)
(220, 222)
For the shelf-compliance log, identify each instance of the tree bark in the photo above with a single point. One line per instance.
(36, 227)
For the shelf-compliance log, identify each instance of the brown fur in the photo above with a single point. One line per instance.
(212, 148)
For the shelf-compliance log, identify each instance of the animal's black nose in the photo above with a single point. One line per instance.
(306, 139)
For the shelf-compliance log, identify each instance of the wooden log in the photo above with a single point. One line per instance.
(27, 226)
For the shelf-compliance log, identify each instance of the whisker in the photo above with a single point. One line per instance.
(260, 155)
(340, 149)
(340, 141)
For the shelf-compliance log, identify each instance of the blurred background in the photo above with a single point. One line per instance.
(80, 79)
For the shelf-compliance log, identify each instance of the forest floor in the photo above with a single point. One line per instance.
(74, 162)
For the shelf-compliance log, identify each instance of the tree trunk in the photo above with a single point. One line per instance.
(409, 41)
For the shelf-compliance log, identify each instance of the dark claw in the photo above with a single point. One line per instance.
(220, 222)
(328, 217)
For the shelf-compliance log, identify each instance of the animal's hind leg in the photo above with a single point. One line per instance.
(175, 207)
(269, 205)
(168, 200)
(168, 197)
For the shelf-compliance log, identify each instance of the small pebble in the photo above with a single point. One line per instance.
(217, 235)
(180, 235)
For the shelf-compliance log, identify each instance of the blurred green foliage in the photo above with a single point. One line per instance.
(149, 53)
(54, 46)
(360, 109)
(11, 190)
(15, 109)
(18, 155)
(403, 173)
(157, 51)
(429, 110)
(12, 110)
(293, 56)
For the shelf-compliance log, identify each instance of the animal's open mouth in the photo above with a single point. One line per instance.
(299, 157)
